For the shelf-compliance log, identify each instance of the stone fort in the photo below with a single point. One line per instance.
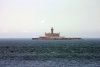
(51, 35)
(54, 36)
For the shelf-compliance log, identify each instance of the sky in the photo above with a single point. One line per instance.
(32, 18)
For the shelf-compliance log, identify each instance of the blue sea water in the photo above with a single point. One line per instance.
(49, 53)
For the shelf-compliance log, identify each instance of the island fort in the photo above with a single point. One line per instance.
(54, 36)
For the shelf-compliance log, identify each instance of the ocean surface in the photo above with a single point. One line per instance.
(49, 53)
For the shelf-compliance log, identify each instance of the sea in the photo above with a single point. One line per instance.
(25, 52)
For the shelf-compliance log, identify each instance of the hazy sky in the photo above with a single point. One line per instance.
(32, 18)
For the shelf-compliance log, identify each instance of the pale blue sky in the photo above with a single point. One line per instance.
(32, 18)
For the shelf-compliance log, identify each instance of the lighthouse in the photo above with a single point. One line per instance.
(52, 30)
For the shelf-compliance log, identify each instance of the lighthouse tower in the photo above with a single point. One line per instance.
(52, 30)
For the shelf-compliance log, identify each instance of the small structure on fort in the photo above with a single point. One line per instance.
(54, 36)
